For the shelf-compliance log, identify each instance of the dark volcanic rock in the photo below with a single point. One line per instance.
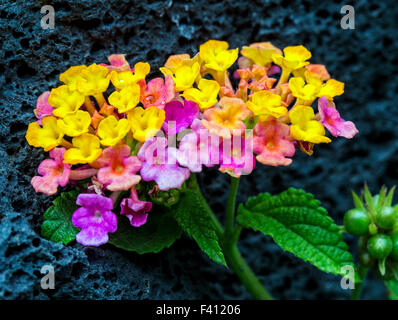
(85, 32)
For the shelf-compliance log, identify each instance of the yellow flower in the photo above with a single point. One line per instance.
(72, 76)
(47, 137)
(126, 78)
(260, 53)
(111, 130)
(86, 149)
(216, 56)
(206, 95)
(75, 124)
(176, 61)
(295, 58)
(265, 103)
(126, 99)
(331, 89)
(65, 101)
(304, 128)
(318, 71)
(95, 80)
(305, 92)
(145, 123)
(141, 70)
(184, 76)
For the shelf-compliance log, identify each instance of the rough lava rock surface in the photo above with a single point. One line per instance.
(31, 59)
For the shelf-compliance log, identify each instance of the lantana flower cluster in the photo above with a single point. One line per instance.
(111, 126)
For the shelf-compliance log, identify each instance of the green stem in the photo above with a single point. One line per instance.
(362, 272)
(230, 213)
(231, 251)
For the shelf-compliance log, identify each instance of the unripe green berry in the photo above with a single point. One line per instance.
(394, 252)
(373, 229)
(356, 222)
(380, 246)
(386, 217)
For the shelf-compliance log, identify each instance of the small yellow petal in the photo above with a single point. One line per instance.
(111, 131)
(75, 124)
(206, 95)
(65, 101)
(260, 53)
(331, 89)
(126, 99)
(95, 80)
(47, 137)
(145, 123)
(86, 149)
(265, 103)
(71, 76)
(303, 128)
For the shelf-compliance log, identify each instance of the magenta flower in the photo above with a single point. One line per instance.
(331, 119)
(119, 169)
(198, 148)
(43, 108)
(157, 92)
(237, 156)
(95, 219)
(54, 173)
(159, 163)
(274, 69)
(179, 116)
(135, 209)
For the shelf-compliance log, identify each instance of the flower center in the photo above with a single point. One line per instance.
(97, 214)
(118, 168)
(270, 145)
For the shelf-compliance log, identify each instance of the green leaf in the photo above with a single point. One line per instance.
(298, 224)
(381, 197)
(194, 216)
(369, 199)
(57, 225)
(357, 201)
(390, 197)
(160, 232)
(392, 287)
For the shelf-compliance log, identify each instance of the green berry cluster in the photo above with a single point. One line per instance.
(375, 221)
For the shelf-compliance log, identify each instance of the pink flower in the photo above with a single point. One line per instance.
(331, 119)
(271, 144)
(43, 108)
(237, 156)
(95, 218)
(160, 164)
(179, 116)
(157, 92)
(198, 148)
(135, 209)
(54, 173)
(118, 169)
(118, 63)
